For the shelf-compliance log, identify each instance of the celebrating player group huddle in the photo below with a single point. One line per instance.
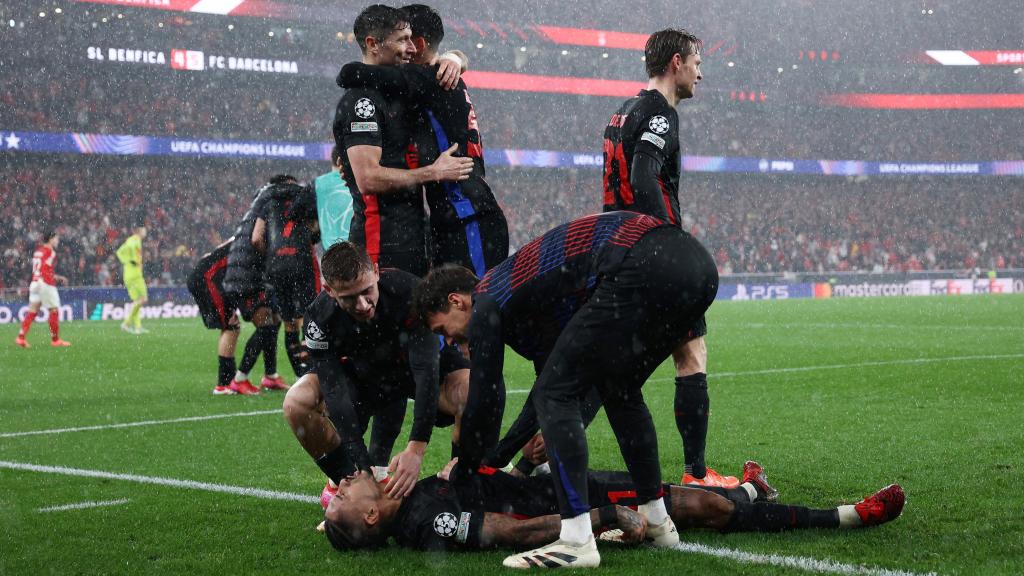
(419, 299)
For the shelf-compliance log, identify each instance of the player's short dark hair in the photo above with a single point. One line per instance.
(425, 23)
(431, 296)
(49, 235)
(335, 155)
(378, 21)
(278, 179)
(665, 44)
(344, 540)
(344, 262)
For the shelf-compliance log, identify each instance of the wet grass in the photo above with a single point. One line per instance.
(836, 398)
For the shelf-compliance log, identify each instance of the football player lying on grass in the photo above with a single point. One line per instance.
(522, 512)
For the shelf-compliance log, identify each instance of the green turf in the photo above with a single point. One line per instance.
(877, 395)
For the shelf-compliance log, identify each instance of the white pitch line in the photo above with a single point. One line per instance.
(854, 365)
(800, 562)
(159, 481)
(134, 424)
(84, 505)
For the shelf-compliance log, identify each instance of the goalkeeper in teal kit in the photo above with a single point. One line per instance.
(333, 204)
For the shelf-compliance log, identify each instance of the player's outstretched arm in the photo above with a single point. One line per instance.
(423, 363)
(372, 178)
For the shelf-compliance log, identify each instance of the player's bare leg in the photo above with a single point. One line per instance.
(306, 413)
(452, 401)
(227, 342)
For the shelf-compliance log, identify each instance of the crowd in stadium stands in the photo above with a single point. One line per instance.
(766, 224)
(752, 224)
(93, 205)
(192, 107)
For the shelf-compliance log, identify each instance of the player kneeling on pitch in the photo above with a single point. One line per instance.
(368, 350)
(523, 512)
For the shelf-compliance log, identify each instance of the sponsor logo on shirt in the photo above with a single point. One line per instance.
(463, 532)
(656, 140)
(363, 127)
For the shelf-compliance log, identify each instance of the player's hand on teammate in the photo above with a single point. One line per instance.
(405, 470)
(534, 450)
(449, 71)
(449, 168)
(446, 472)
(632, 523)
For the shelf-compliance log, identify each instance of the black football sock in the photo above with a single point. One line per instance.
(251, 353)
(225, 370)
(335, 464)
(268, 343)
(296, 353)
(734, 494)
(691, 408)
(766, 517)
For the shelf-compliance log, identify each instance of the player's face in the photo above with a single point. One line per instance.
(452, 324)
(54, 242)
(688, 76)
(357, 298)
(141, 232)
(397, 48)
(356, 496)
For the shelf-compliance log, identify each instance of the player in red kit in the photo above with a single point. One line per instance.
(43, 291)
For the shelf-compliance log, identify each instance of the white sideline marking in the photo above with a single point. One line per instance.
(853, 365)
(134, 424)
(172, 482)
(84, 505)
(799, 562)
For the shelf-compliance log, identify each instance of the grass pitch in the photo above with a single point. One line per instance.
(836, 398)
